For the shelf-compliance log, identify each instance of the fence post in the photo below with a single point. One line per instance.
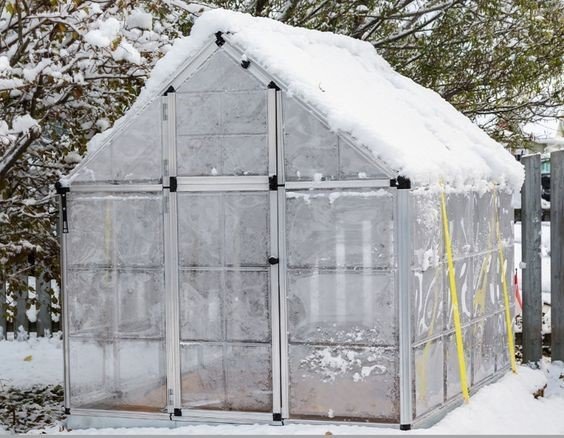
(2, 309)
(531, 214)
(557, 253)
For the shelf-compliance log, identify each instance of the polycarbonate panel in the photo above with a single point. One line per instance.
(218, 229)
(452, 377)
(429, 376)
(226, 376)
(122, 229)
(500, 343)
(342, 307)
(340, 228)
(115, 301)
(117, 374)
(484, 334)
(465, 292)
(133, 154)
(484, 222)
(220, 73)
(341, 382)
(91, 302)
(354, 165)
(428, 303)
(461, 221)
(428, 239)
(311, 149)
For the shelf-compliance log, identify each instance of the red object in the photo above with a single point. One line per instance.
(517, 292)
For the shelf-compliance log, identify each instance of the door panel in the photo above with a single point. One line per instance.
(224, 300)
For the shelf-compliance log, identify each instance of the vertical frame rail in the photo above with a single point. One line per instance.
(281, 193)
(272, 97)
(403, 234)
(557, 253)
(64, 310)
(174, 396)
(531, 214)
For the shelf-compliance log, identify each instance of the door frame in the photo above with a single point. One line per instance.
(272, 183)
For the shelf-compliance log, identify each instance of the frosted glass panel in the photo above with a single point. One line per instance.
(452, 368)
(344, 382)
(343, 307)
(464, 285)
(344, 228)
(133, 154)
(354, 165)
(484, 335)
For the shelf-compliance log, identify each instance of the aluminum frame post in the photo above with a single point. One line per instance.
(403, 235)
(64, 310)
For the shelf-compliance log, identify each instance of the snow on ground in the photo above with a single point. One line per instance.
(505, 407)
(36, 361)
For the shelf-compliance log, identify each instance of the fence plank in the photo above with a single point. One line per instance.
(556, 253)
(21, 318)
(44, 303)
(531, 213)
(2, 310)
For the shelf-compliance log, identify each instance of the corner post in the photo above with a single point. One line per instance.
(557, 253)
(531, 273)
(403, 235)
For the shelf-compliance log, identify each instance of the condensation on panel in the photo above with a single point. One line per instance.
(461, 223)
(428, 240)
(241, 113)
(139, 230)
(123, 374)
(201, 305)
(465, 291)
(484, 222)
(344, 382)
(226, 376)
(354, 165)
(134, 154)
(115, 230)
(220, 73)
(484, 334)
(141, 303)
(91, 302)
(90, 237)
(311, 149)
(342, 307)
(452, 370)
(506, 217)
(200, 219)
(247, 306)
(429, 376)
(340, 228)
(246, 229)
(220, 229)
(428, 303)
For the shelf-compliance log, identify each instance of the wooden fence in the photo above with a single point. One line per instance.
(36, 312)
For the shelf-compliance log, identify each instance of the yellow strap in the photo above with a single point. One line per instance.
(508, 324)
(455, 306)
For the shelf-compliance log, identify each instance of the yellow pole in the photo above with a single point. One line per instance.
(455, 305)
(503, 270)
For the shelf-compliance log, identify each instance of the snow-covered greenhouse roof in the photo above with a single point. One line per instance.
(410, 129)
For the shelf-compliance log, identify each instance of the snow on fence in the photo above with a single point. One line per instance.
(35, 312)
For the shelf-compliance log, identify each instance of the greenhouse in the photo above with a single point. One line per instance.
(261, 238)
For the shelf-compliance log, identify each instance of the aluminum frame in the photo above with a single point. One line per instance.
(114, 188)
(222, 183)
(403, 238)
(64, 310)
(337, 184)
(274, 251)
(174, 395)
